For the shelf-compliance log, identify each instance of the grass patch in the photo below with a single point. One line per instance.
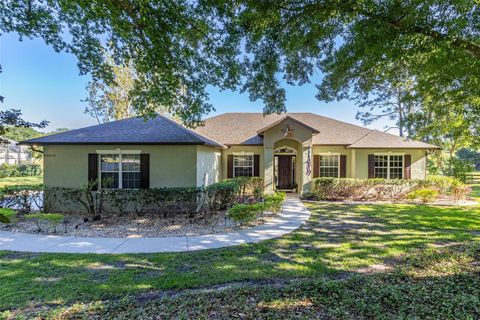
(338, 240)
(422, 288)
(12, 181)
(475, 191)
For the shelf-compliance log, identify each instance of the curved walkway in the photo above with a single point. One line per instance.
(293, 215)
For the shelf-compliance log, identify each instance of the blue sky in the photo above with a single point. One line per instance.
(45, 84)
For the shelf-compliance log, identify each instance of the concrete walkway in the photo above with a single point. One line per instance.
(293, 215)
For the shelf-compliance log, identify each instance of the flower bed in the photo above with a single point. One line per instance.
(137, 213)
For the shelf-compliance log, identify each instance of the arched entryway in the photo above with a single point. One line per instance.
(284, 167)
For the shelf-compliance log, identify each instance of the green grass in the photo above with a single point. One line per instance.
(338, 240)
(10, 181)
(475, 191)
(434, 284)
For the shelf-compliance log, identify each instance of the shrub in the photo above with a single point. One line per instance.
(243, 213)
(51, 218)
(442, 184)
(20, 170)
(249, 186)
(336, 189)
(307, 195)
(7, 215)
(23, 198)
(459, 190)
(221, 195)
(425, 195)
(274, 201)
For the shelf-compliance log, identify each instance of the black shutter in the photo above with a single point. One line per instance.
(256, 165)
(408, 167)
(343, 166)
(371, 166)
(144, 171)
(230, 166)
(93, 170)
(316, 166)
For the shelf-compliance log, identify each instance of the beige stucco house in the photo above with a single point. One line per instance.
(287, 150)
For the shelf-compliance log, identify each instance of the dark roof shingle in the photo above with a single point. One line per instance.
(157, 130)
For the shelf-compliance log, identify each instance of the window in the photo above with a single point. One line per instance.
(388, 166)
(243, 165)
(330, 165)
(120, 171)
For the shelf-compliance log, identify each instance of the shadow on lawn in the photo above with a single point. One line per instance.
(338, 239)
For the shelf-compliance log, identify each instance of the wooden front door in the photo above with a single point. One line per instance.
(285, 172)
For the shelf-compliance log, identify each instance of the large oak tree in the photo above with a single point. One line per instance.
(180, 47)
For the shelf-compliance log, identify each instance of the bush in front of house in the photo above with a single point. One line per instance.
(273, 202)
(7, 215)
(51, 219)
(335, 189)
(425, 195)
(249, 186)
(20, 170)
(245, 213)
(23, 198)
(166, 201)
(221, 195)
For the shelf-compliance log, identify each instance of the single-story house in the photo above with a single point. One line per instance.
(287, 150)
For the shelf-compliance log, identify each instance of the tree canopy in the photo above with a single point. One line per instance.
(179, 47)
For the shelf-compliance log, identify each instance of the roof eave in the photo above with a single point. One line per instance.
(390, 147)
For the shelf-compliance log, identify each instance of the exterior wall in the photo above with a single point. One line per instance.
(170, 166)
(302, 137)
(209, 162)
(418, 167)
(337, 150)
(234, 149)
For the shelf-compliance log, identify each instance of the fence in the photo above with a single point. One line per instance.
(473, 177)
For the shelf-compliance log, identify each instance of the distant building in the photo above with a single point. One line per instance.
(10, 153)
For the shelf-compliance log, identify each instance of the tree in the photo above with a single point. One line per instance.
(21, 133)
(179, 47)
(113, 101)
(12, 118)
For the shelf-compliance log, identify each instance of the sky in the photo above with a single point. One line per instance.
(46, 85)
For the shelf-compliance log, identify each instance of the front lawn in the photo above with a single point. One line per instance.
(10, 181)
(337, 242)
(475, 191)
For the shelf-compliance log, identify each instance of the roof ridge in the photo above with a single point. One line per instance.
(191, 132)
(362, 137)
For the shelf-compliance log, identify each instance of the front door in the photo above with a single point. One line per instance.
(285, 169)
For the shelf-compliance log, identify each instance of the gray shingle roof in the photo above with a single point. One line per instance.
(158, 130)
(242, 129)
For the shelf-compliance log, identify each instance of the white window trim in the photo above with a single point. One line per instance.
(389, 154)
(243, 154)
(330, 154)
(120, 167)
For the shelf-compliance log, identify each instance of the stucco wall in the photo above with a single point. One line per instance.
(170, 166)
(234, 149)
(209, 162)
(418, 167)
(336, 150)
